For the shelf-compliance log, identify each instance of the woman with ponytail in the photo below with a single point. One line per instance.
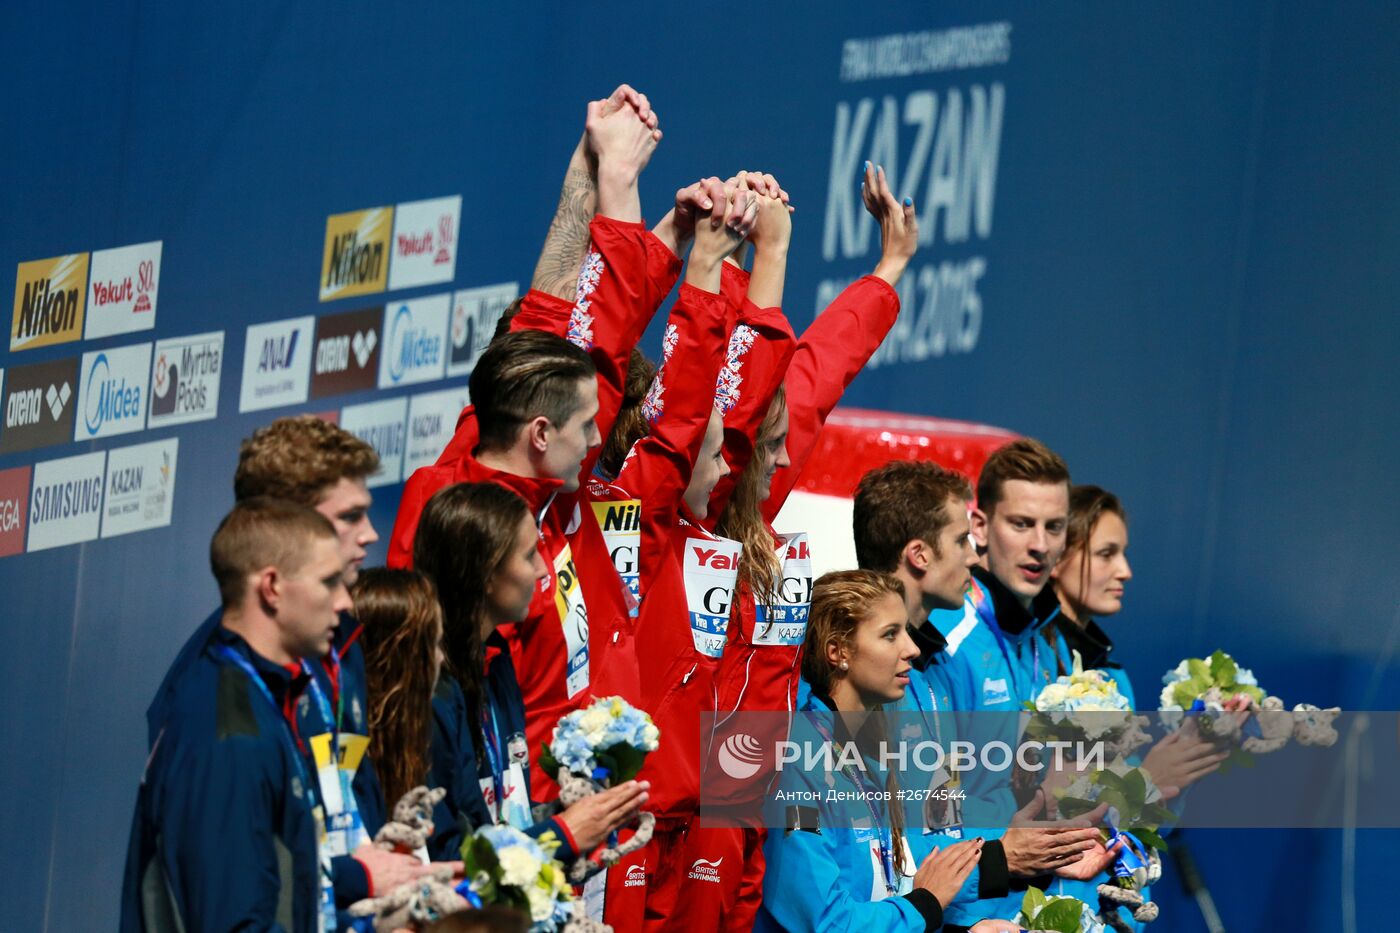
(826, 873)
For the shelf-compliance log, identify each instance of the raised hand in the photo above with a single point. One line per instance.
(619, 136)
(625, 96)
(942, 874)
(773, 227)
(724, 225)
(706, 198)
(899, 227)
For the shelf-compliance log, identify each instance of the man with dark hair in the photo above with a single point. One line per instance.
(230, 818)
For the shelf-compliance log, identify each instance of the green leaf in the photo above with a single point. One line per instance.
(1110, 781)
(1250, 691)
(625, 761)
(1062, 916)
(1151, 838)
(1135, 789)
(1032, 903)
(1155, 814)
(548, 762)
(1070, 807)
(1114, 798)
(1223, 670)
(1198, 669)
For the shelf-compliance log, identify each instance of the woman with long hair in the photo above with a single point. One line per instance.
(402, 625)
(827, 873)
(479, 545)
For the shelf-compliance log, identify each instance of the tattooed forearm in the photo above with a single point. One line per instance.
(556, 272)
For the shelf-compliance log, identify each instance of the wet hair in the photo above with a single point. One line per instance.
(1025, 459)
(402, 627)
(521, 376)
(262, 532)
(465, 536)
(903, 501)
(841, 600)
(299, 458)
(742, 518)
(631, 425)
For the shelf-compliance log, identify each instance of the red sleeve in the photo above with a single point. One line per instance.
(611, 312)
(542, 311)
(760, 347)
(663, 268)
(678, 406)
(420, 487)
(832, 351)
(463, 441)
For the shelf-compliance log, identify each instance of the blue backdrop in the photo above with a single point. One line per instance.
(1161, 238)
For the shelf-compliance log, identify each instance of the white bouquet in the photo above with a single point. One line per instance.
(505, 866)
(1085, 705)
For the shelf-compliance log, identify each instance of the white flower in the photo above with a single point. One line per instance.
(1052, 696)
(518, 868)
(541, 903)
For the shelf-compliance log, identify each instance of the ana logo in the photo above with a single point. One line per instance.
(355, 261)
(636, 877)
(113, 393)
(38, 405)
(347, 352)
(49, 301)
(705, 870)
(414, 336)
(275, 370)
(425, 242)
(740, 756)
(185, 381)
(278, 352)
(122, 293)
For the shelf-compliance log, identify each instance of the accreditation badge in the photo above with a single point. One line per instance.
(573, 616)
(783, 622)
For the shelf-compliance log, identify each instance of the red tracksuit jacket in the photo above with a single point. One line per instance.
(576, 642)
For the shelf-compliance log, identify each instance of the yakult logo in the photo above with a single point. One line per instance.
(122, 293)
(425, 242)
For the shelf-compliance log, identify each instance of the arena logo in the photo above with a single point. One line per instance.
(425, 242)
(14, 503)
(475, 312)
(112, 395)
(185, 379)
(66, 504)
(276, 367)
(381, 425)
(356, 260)
(49, 301)
(432, 420)
(415, 332)
(140, 487)
(122, 293)
(346, 358)
(39, 408)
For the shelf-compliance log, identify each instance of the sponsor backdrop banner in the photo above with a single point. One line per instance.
(1159, 237)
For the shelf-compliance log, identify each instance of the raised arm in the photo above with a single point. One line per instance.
(556, 271)
(839, 343)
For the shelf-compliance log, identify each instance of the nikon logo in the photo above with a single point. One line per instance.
(49, 299)
(356, 260)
